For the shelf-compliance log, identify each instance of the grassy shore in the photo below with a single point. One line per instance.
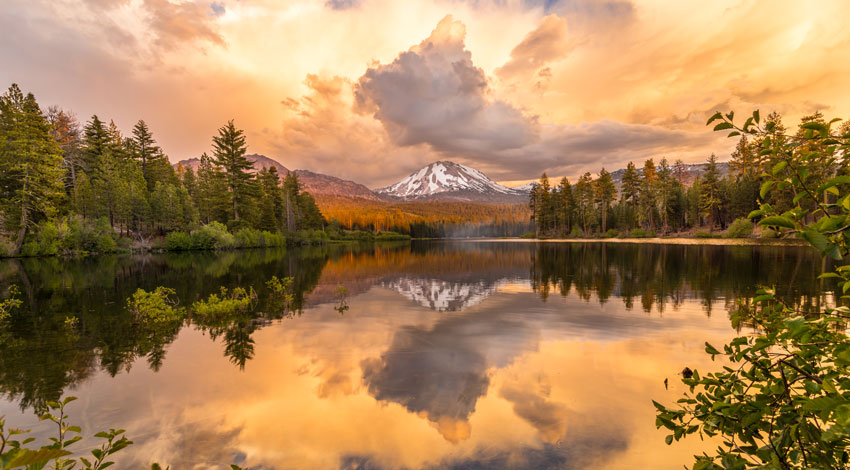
(656, 240)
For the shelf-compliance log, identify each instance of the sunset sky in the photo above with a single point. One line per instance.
(371, 90)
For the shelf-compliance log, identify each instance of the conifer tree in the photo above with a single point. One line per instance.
(710, 198)
(271, 199)
(95, 144)
(629, 191)
(229, 153)
(30, 164)
(566, 205)
(291, 188)
(606, 192)
(584, 200)
(647, 197)
(66, 131)
(144, 148)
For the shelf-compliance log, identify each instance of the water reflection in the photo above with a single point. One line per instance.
(452, 355)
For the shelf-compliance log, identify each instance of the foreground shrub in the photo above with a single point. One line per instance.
(154, 308)
(227, 302)
(740, 228)
(14, 452)
(281, 296)
(781, 397)
(11, 302)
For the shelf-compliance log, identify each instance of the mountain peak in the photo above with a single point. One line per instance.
(447, 180)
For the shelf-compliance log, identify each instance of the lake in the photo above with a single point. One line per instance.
(456, 354)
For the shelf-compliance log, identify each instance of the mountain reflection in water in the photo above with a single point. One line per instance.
(451, 355)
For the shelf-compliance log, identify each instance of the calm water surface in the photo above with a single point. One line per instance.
(450, 354)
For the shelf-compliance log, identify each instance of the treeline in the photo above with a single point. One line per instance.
(431, 219)
(71, 187)
(663, 198)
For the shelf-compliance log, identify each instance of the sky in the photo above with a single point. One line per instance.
(372, 90)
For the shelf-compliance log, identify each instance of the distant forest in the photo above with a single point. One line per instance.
(67, 187)
(657, 198)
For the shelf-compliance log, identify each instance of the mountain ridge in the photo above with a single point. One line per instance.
(450, 181)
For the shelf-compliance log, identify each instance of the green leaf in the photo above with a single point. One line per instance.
(842, 179)
(777, 221)
(816, 239)
(779, 167)
(723, 126)
(714, 117)
(24, 457)
(765, 187)
(756, 116)
(711, 349)
(755, 214)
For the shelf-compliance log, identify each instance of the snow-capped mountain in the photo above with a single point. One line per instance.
(449, 181)
(442, 295)
(526, 188)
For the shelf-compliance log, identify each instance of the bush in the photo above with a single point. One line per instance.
(528, 235)
(611, 233)
(176, 241)
(311, 237)
(214, 235)
(704, 234)
(154, 308)
(389, 236)
(248, 238)
(273, 239)
(228, 302)
(740, 228)
(641, 233)
(576, 233)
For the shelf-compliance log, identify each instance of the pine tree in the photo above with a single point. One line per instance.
(211, 198)
(271, 200)
(567, 205)
(544, 212)
(229, 153)
(606, 192)
(664, 193)
(584, 200)
(95, 144)
(629, 192)
(647, 197)
(30, 164)
(291, 188)
(66, 131)
(144, 149)
(710, 192)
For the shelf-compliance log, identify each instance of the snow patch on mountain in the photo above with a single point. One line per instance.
(446, 177)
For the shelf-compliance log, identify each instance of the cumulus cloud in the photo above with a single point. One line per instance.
(513, 87)
(434, 94)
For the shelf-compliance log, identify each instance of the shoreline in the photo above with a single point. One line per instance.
(654, 241)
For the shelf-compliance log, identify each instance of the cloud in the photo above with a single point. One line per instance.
(176, 23)
(514, 87)
(342, 4)
(549, 41)
(433, 94)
